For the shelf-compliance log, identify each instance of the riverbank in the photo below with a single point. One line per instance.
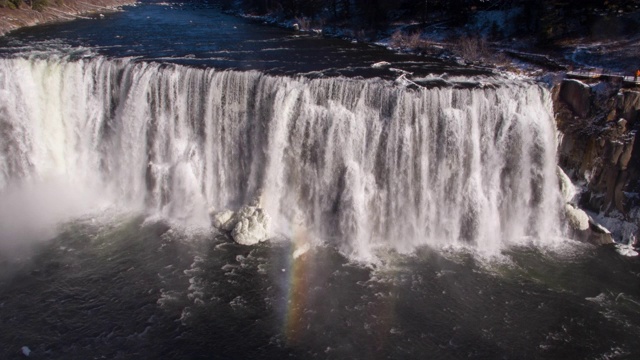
(12, 19)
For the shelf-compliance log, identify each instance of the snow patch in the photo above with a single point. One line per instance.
(381, 64)
(626, 250)
(622, 231)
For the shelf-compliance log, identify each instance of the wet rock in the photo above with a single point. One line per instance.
(577, 95)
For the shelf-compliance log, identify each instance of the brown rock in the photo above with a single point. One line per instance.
(577, 95)
(628, 105)
(625, 157)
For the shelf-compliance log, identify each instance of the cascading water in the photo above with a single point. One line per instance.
(359, 162)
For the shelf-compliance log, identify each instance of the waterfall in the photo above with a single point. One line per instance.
(361, 163)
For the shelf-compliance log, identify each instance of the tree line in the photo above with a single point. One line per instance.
(38, 5)
(546, 18)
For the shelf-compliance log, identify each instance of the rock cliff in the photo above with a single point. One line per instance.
(599, 122)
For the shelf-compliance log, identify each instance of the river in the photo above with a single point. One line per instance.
(414, 207)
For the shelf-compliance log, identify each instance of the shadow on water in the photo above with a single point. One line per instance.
(143, 290)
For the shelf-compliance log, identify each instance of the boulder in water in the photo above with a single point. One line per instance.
(578, 219)
(223, 220)
(252, 226)
(249, 226)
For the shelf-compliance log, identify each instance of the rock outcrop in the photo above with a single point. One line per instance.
(599, 125)
(248, 226)
(577, 95)
(628, 105)
(580, 225)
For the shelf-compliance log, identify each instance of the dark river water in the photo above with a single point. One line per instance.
(130, 290)
(201, 35)
(131, 286)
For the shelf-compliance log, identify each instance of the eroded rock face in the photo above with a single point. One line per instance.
(628, 106)
(598, 151)
(577, 95)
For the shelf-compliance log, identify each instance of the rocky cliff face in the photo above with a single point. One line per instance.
(599, 122)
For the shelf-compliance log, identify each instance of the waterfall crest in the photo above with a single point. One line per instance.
(361, 163)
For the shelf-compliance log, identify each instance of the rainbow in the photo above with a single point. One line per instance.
(298, 285)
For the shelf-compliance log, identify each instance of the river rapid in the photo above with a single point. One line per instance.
(414, 207)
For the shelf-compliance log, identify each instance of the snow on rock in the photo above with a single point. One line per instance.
(622, 231)
(566, 186)
(381, 64)
(626, 250)
(404, 82)
(248, 226)
(222, 220)
(400, 71)
(581, 226)
(577, 218)
(252, 226)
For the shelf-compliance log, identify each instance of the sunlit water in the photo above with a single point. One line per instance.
(432, 213)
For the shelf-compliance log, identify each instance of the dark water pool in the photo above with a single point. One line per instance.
(142, 290)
